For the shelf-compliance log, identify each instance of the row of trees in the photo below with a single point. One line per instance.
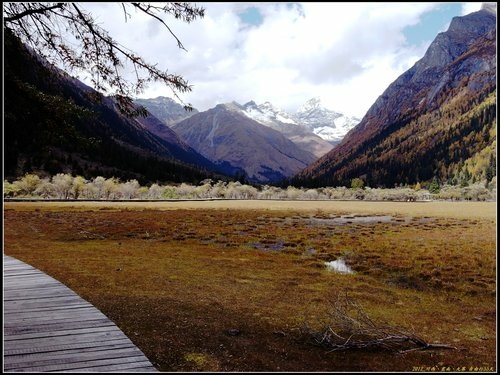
(65, 186)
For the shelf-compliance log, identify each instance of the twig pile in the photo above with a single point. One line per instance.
(351, 328)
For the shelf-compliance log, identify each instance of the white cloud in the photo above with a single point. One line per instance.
(470, 7)
(345, 53)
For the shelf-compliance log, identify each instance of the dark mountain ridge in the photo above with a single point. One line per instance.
(55, 123)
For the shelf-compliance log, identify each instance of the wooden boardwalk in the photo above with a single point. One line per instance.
(48, 327)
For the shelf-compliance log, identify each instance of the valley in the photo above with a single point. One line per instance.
(262, 231)
(435, 122)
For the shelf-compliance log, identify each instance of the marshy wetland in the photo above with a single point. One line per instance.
(227, 285)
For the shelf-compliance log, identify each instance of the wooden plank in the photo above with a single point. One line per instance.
(57, 324)
(41, 321)
(26, 282)
(76, 363)
(50, 314)
(47, 327)
(47, 358)
(33, 291)
(28, 293)
(14, 275)
(65, 332)
(12, 263)
(23, 307)
(22, 284)
(96, 366)
(28, 297)
(20, 273)
(61, 299)
(71, 352)
(39, 346)
(123, 342)
(60, 340)
(15, 288)
(14, 330)
(58, 300)
(48, 301)
(19, 276)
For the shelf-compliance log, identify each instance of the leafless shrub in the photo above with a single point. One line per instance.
(349, 327)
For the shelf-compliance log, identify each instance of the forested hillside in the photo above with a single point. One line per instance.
(436, 121)
(53, 123)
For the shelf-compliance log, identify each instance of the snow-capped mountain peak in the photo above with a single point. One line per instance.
(267, 113)
(328, 124)
(311, 104)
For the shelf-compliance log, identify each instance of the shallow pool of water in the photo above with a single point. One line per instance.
(352, 220)
(338, 266)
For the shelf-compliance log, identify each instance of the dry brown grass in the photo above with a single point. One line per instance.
(176, 277)
(462, 210)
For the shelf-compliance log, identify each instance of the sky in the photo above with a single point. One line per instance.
(346, 54)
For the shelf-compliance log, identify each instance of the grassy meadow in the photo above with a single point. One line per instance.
(227, 285)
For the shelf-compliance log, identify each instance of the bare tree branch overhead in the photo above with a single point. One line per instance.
(65, 33)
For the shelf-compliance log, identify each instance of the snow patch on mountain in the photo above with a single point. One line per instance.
(330, 125)
(286, 120)
(266, 113)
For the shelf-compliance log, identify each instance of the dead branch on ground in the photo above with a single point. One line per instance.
(350, 327)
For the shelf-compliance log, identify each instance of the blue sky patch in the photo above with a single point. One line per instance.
(251, 16)
(431, 23)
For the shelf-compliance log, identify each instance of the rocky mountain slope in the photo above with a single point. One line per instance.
(437, 120)
(327, 124)
(283, 122)
(167, 110)
(226, 136)
(312, 117)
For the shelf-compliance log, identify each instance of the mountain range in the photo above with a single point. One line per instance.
(437, 120)
(313, 116)
(224, 134)
(265, 142)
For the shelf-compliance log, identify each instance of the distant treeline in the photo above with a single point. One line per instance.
(66, 187)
